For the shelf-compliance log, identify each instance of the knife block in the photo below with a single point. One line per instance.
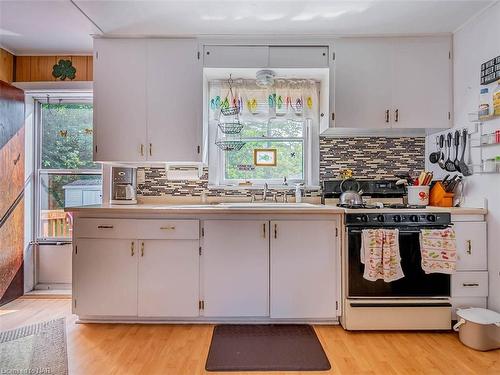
(439, 197)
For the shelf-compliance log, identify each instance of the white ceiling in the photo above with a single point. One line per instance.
(60, 27)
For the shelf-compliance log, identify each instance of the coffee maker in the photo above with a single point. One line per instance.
(123, 185)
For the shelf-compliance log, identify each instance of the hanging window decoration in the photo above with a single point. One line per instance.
(271, 140)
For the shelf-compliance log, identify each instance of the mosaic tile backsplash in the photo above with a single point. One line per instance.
(371, 157)
(368, 157)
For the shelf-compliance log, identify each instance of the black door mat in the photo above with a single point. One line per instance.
(275, 347)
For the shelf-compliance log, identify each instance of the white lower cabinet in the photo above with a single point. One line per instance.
(303, 269)
(235, 269)
(471, 246)
(282, 269)
(168, 278)
(105, 277)
(469, 285)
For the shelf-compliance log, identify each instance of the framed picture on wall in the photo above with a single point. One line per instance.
(264, 157)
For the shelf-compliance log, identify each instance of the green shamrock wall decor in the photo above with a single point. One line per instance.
(64, 69)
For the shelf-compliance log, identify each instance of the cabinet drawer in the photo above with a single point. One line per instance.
(138, 229)
(471, 246)
(168, 229)
(469, 284)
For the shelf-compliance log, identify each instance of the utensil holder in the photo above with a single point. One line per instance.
(418, 195)
(440, 197)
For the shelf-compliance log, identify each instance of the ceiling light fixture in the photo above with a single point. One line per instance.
(265, 78)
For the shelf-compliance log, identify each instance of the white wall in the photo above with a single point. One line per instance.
(475, 43)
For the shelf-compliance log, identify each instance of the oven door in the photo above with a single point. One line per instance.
(415, 283)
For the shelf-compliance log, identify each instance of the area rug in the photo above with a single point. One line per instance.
(35, 349)
(274, 347)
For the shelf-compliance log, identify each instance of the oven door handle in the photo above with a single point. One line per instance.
(400, 231)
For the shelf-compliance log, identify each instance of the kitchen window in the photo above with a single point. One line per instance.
(278, 122)
(66, 175)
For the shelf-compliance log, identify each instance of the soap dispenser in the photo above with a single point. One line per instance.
(298, 193)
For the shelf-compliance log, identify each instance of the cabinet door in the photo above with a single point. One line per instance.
(168, 278)
(235, 257)
(119, 100)
(422, 82)
(303, 269)
(105, 277)
(174, 101)
(363, 77)
(298, 57)
(235, 56)
(471, 246)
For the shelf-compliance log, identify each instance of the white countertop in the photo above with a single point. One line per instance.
(429, 209)
(256, 208)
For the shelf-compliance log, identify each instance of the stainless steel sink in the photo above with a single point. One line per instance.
(264, 205)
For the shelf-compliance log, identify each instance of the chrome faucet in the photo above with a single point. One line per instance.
(264, 194)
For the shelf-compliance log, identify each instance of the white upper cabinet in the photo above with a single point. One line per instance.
(421, 83)
(119, 99)
(147, 100)
(393, 82)
(218, 56)
(174, 100)
(363, 69)
(298, 56)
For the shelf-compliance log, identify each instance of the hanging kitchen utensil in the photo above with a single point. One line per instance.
(229, 106)
(435, 156)
(442, 160)
(456, 140)
(463, 167)
(449, 165)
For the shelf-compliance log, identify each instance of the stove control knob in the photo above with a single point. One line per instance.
(414, 218)
(431, 218)
(364, 218)
(380, 218)
(396, 218)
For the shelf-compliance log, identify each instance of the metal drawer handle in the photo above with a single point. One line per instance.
(167, 228)
(132, 248)
(142, 249)
(470, 284)
(275, 230)
(469, 247)
(105, 227)
(264, 230)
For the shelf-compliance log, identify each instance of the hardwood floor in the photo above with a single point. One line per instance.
(182, 349)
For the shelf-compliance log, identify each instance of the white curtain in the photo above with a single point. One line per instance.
(293, 99)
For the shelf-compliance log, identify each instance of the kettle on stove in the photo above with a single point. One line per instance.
(351, 193)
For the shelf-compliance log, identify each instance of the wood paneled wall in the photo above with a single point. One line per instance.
(6, 66)
(39, 68)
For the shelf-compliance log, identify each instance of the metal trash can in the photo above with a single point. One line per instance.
(478, 328)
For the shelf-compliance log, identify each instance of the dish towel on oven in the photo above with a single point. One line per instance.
(380, 254)
(438, 248)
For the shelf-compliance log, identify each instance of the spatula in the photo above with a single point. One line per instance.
(449, 165)
(456, 140)
(442, 160)
(463, 167)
